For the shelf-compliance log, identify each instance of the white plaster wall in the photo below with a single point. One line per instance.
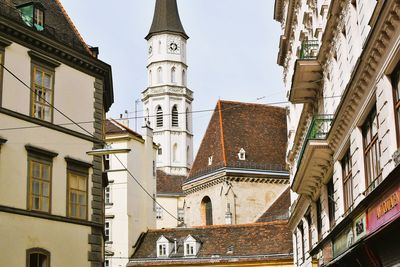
(67, 243)
(132, 209)
(171, 204)
(72, 89)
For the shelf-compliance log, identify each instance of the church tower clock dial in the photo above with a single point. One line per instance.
(167, 100)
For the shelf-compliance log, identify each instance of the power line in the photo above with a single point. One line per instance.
(95, 138)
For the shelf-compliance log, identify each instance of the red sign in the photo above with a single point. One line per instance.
(384, 211)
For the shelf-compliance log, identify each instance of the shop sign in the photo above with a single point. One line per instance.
(385, 210)
(343, 241)
(360, 227)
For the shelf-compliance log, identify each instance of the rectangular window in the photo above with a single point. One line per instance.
(309, 222)
(347, 180)
(162, 250)
(77, 195)
(395, 77)
(319, 218)
(39, 184)
(42, 95)
(181, 215)
(331, 202)
(372, 153)
(301, 230)
(107, 231)
(107, 195)
(159, 212)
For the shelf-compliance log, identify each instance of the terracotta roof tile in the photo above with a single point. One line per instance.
(169, 184)
(115, 127)
(259, 129)
(58, 26)
(256, 239)
(279, 209)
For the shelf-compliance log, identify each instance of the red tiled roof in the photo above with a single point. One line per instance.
(279, 209)
(169, 184)
(115, 127)
(259, 129)
(250, 240)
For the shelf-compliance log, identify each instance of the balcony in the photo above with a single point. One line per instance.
(307, 75)
(314, 157)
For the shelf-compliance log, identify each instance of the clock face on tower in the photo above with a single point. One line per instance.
(173, 47)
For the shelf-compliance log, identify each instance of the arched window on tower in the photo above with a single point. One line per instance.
(175, 121)
(175, 153)
(173, 75)
(159, 117)
(147, 117)
(206, 211)
(159, 47)
(187, 119)
(150, 78)
(183, 77)
(187, 155)
(159, 75)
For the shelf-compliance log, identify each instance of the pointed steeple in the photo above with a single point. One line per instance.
(166, 19)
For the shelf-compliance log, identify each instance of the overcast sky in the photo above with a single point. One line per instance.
(231, 52)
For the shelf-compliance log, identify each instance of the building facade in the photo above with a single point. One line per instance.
(340, 61)
(129, 210)
(52, 193)
(167, 105)
(257, 244)
(167, 101)
(240, 164)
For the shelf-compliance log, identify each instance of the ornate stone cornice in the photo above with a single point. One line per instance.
(167, 90)
(366, 70)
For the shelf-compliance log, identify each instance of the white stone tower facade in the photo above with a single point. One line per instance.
(167, 101)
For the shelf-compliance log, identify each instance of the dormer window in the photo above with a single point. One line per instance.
(32, 14)
(210, 159)
(242, 154)
(164, 246)
(191, 245)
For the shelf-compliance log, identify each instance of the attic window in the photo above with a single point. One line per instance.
(162, 250)
(32, 14)
(242, 154)
(210, 159)
(191, 245)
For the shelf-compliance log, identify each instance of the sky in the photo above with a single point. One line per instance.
(231, 52)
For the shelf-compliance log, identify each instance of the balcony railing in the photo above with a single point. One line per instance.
(318, 130)
(309, 49)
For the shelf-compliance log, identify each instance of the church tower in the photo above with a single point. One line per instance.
(167, 100)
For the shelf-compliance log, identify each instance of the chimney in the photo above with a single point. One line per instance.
(123, 120)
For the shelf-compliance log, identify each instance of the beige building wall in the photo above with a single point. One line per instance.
(172, 204)
(67, 243)
(248, 201)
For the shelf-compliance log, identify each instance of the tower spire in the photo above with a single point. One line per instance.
(166, 19)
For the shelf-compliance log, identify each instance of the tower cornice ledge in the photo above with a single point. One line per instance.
(167, 90)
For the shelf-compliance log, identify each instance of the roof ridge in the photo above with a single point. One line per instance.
(73, 27)
(255, 224)
(250, 104)
(222, 132)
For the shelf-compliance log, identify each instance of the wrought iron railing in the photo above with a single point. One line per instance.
(318, 130)
(309, 49)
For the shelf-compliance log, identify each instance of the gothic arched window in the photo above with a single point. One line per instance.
(159, 75)
(206, 211)
(187, 119)
(159, 117)
(175, 121)
(175, 153)
(173, 75)
(183, 77)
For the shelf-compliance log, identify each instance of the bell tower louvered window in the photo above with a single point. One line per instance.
(175, 122)
(159, 117)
